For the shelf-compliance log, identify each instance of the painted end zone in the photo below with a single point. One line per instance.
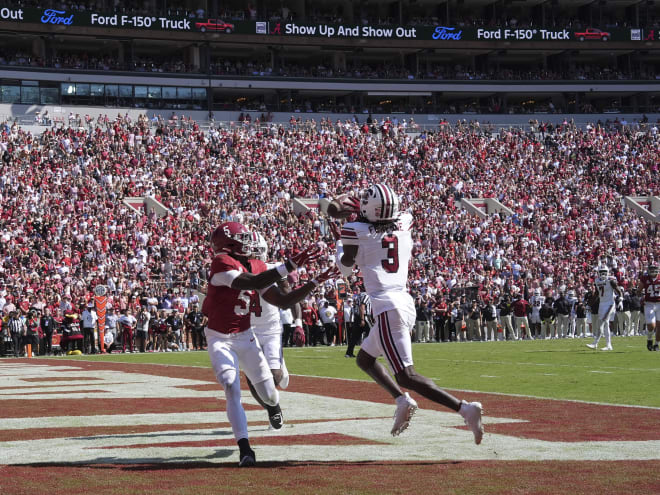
(83, 427)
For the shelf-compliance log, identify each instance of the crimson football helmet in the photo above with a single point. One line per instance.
(232, 238)
(380, 204)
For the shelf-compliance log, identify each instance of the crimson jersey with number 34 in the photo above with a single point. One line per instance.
(227, 309)
(651, 288)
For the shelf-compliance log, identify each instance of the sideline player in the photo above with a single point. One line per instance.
(380, 243)
(649, 285)
(232, 344)
(607, 289)
(536, 301)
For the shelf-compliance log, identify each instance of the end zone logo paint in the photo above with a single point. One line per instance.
(97, 412)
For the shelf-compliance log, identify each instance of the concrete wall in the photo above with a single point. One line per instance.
(26, 113)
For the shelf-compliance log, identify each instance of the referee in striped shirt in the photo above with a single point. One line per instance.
(16, 329)
(363, 320)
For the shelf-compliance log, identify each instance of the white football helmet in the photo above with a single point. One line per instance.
(571, 294)
(380, 204)
(603, 272)
(259, 247)
(653, 269)
(537, 292)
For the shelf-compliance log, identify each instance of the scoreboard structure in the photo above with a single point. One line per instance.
(408, 56)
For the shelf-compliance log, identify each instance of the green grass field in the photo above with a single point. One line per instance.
(561, 369)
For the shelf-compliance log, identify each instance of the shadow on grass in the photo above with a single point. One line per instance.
(175, 464)
(167, 434)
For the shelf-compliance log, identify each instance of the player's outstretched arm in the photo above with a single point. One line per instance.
(346, 258)
(277, 297)
(249, 281)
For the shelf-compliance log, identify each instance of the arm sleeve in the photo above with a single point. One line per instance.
(349, 234)
(224, 273)
(345, 270)
(224, 278)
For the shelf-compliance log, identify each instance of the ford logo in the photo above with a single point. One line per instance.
(447, 33)
(52, 16)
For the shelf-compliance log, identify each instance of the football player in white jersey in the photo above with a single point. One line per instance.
(607, 290)
(573, 301)
(265, 322)
(536, 301)
(380, 243)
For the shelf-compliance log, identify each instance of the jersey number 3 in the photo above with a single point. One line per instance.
(391, 263)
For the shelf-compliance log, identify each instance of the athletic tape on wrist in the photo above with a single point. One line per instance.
(282, 270)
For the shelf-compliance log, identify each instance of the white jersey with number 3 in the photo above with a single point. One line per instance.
(383, 259)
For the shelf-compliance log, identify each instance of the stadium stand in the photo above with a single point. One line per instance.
(233, 122)
(65, 229)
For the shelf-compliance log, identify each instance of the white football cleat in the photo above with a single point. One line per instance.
(607, 348)
(471, 412)
(592, 346)
(405, 409)
(284, 382)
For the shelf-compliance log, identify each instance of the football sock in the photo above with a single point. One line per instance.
(244, 445)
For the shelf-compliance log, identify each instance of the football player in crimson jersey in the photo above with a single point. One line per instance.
(649, 286)
(380, 243)
(232, 344)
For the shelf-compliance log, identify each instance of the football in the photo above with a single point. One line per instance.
(342, 206)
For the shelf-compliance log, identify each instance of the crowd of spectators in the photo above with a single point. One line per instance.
(313, 69)
(64, 228)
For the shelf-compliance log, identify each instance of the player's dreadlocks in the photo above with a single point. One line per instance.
(380, 227)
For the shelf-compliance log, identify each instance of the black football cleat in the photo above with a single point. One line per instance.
(656, 347)
(649, 345)
(276, 420)
(248, 458)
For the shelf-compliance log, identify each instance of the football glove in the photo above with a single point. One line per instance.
(305, 256)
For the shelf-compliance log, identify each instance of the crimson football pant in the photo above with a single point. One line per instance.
(127, 338)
